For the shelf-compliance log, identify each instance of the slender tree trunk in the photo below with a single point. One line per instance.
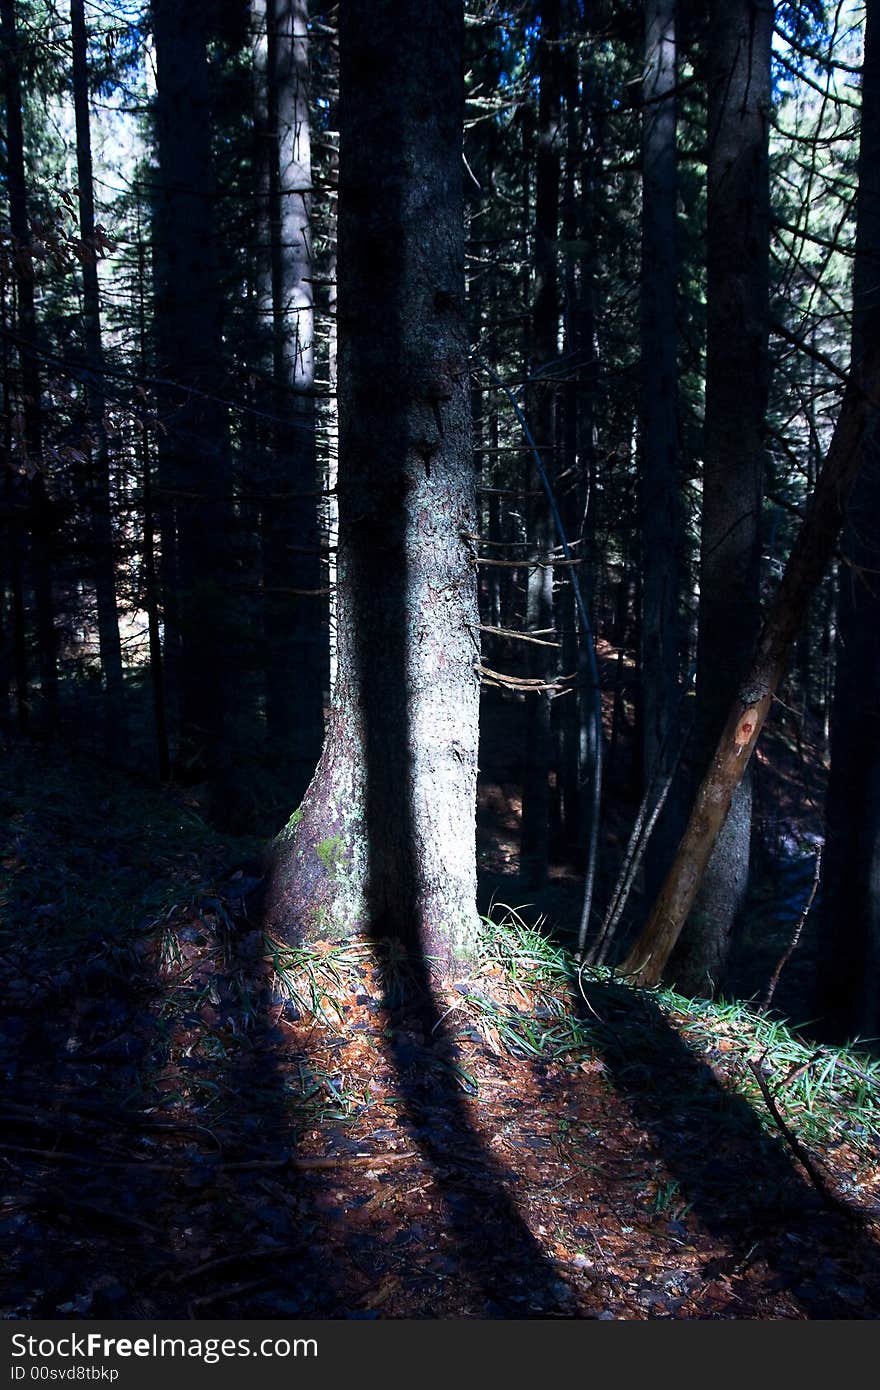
(384, 840)
(542, 536)
(296, 647)
(16, 508)
(660, 517)
(738, 238)
(151, 578)
(578, 758)
(41, 525)
(849, 981)
(99, 480)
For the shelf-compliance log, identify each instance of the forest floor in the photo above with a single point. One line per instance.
(198, 1121)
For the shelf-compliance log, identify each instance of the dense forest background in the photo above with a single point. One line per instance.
(468, 490)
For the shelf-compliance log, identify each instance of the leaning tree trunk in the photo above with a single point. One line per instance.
(738, 238)
(751, 704)
(849, 998)
(384, 840)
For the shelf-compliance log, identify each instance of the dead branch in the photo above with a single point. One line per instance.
(516, 636)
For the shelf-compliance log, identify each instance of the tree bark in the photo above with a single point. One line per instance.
(15, 507)
(849, 977)
(296, 645)
(195, 467)
(40, 517)
(738, 239)
(807, 563)
(384, 841)
(542, 412)
(109, 644)
(660, 512)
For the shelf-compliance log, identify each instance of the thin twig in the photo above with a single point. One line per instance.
(792, 945)
(318, 1164)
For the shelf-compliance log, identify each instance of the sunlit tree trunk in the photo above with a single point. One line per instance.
(296, 645)
(384, 840)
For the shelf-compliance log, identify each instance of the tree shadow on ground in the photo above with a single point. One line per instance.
(490, 1246)
(741, 1184)
(264, 1210)
(148, 1110)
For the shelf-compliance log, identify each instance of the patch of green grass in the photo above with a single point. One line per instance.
(315, 979)
(829, 1096)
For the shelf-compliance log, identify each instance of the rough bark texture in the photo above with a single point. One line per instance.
(296, 649)
(738, 237)
(384, 840)
(746, 716)
(660, 516)
(850, 974)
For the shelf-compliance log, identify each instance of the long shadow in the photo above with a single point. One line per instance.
(742, 1185)
(263, 1212)
(142, 1111)
(492, 1245)
(77, 1035)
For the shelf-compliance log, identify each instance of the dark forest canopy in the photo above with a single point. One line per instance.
(549, 434)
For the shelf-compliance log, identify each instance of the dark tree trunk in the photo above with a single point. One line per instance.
(569, 765)
(384, 840)
(15, 507)
(40, 515)
(578, 727)
(660, 513)
(198, 569)
(542, 536)
(850, 950)
(738, 236)
(99, 471)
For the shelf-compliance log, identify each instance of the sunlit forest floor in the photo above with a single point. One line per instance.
(199, 1121)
